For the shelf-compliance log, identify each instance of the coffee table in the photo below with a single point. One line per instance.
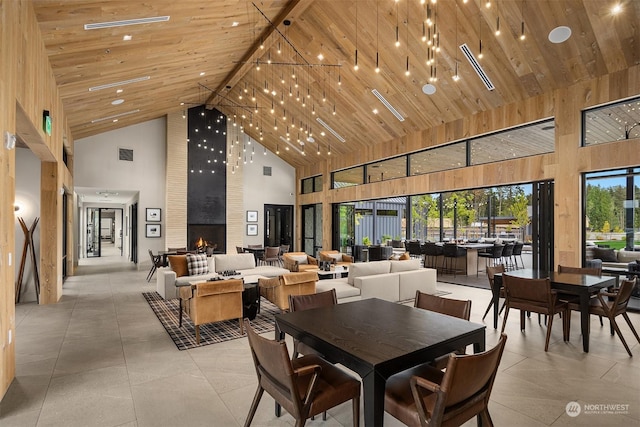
(334, 273)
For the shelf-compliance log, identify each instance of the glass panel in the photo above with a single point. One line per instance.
(307, 185)
(346, 225)
(425, 217)
(612, 122)
(93, 232)
(450, 156)
(348, 177)
(317, 183)
(387, 169)
(528, 140)
(612, 218)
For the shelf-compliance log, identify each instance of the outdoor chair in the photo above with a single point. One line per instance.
(429, 397)
(431, 254)
(507, 255)
(517, 253)
(611, 305)
(491, 256)
(414, 249)
(451, 252)
(534, 295)
(305, 387)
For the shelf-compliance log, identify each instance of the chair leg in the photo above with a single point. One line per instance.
(356, 411)
(241, 321)
(198, 334)
(546, 342)
(504, 320)
(485, 418)
(254, 406)
(522, 320)
(488, 308)
(624, 342)
(626, 318)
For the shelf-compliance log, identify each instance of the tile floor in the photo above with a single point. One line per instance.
(101, 358)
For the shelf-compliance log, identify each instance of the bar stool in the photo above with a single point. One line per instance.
(452, 252)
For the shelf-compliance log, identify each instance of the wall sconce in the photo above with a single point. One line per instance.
(9, 140)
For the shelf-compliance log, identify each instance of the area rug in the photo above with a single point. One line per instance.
(211, 333)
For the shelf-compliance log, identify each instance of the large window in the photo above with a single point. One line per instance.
(348, 177)
(612, 217)
(387, 169)
(312, 185)
(450, 156)
(613, 122)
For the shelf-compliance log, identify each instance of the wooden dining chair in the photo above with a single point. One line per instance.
(449, 306)
(156, 262)
(430, 397)
(307, 302)
(574, 299)
(304, 387)
(534, 295)
(491, 272)
(612, 305)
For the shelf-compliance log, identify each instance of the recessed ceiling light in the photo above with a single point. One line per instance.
(429, 89)
(235, 23)
(616, 9)
(320, 56)
(127, 37)
(202, 73)
(559, 34)
(111, 24)
(117, 101)
(115, 116)
(387, 104)
(119, 90)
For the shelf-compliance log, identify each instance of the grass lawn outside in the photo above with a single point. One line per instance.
(615, 244)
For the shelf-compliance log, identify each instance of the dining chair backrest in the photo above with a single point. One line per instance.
(507, 250)
(431, 249)
(284, 249)
(594, 271)
(496, 250)
(453, 251)
(517, 248)
(623, 296)
(413, 247)
(492, 271)
(469, 378)
(307, 302)
(155, 259)
(449, 306)
(240, 249)
(525, 290)
(177, 249)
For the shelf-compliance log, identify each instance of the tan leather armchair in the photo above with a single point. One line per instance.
(213, 302)
(299, 261)
(278, 289)
(335, 257)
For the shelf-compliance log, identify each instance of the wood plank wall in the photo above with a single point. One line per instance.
(175, 217)
(564, 166)
(27, 84)
(235, 203)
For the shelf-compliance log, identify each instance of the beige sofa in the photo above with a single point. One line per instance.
(388, 280)
(167, 282)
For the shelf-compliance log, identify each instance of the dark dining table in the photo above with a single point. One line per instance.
(377, 338)
(581, 285)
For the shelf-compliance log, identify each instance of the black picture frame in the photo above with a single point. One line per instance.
(153, 231)
(252, 229)
(154, 214)
(252, 216)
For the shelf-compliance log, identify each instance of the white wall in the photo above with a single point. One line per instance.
(28, 199)
(96, 165)
(277, 189)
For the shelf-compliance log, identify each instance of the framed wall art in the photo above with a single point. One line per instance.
(252, 229)
(153, 230)
(154, 214)
(252, 216)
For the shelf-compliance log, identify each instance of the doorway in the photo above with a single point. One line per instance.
(278, 225)
(104, 232)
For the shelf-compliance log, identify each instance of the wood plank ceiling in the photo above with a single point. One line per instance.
(223, 40)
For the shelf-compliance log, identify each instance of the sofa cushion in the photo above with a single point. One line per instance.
(178, 264)
(605, 254)
(235, 262)
(412, 264)
(185, 280)
(343, 290)
(628, 256)
(335, 257)
(197, 264)
(367, 269)
(301, 259)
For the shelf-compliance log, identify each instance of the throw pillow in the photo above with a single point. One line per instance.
(336, 257)
(178, 264)
(605, 254)
(405, 256)
(302, 259)
(197, 264)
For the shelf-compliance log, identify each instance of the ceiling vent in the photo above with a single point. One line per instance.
(99, 25)
(388, 105)
(476, 66)
(266, 170)
(125, 154)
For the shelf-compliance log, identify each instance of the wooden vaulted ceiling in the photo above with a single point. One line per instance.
(200, 37)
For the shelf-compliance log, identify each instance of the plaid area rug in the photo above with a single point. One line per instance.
(185, 337)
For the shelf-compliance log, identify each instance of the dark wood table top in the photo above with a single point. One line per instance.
(581, 280)
(377, 332)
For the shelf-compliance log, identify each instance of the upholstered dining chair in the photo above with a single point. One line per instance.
(612, 305)
(449, 306)
(491, 256)
(427, 396)
(304, 387)
(156, 262)
(491, 272)
(569, 298)
(307, 302)
(271, 255)
(534, 295)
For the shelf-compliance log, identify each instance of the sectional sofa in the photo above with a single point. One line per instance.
(245, 264)
(388, 280)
